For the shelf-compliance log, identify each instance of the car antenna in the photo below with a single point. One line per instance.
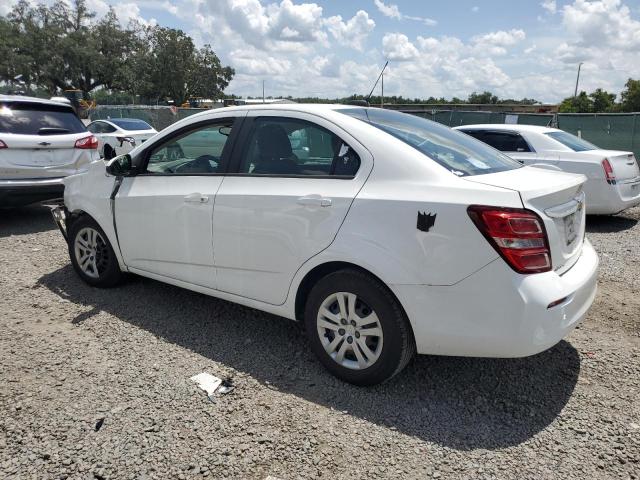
(375, 84)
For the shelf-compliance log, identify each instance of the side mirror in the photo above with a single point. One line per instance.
(121, 166)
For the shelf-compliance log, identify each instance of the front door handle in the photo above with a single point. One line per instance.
(314, 201)
(196, 198)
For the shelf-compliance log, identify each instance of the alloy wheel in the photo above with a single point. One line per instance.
(91, 251)
(349, 330)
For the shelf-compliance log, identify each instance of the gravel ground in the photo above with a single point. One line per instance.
(95, 384)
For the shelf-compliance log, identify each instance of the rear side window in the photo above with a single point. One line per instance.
(34, 119)
(457, 152)
(131, 124)
(503, 141)
(290, 146)
(571, 141)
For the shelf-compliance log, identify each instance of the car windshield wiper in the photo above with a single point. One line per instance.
(53, 131)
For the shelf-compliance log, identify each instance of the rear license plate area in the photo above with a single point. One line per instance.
(570, 228)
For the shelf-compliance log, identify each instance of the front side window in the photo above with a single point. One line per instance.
(289, 146)
(571, 141)
(197, 151)
(456, 151)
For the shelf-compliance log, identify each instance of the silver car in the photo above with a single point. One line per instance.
(41, 142)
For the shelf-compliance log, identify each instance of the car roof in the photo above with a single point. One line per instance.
(34, 100)
(508, 127)
(299, 107)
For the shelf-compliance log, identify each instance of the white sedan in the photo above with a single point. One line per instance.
(117, 136)
(613, 177)
(384, 233)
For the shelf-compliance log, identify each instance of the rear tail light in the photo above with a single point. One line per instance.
(608, 172)
(518, 235)
(3, 145)
(89, 142)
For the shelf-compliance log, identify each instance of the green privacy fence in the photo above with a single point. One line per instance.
(614, 131)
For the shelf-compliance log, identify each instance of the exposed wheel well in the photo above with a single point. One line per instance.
(320, 271)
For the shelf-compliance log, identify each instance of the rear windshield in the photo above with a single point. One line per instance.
(457, 152)
(35, 119)
(574, 143)
(130, 123)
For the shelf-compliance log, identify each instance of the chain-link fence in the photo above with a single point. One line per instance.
(158, 117)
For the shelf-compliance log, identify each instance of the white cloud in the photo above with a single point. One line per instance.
(396, 46)
(392, 11)
(496, 43)
(354, 32)
(550, 6)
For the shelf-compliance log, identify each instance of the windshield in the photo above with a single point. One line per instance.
(130, 123)
(574, 143)
(459, 153)
(34, 119)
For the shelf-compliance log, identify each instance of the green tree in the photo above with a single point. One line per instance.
(603, 101)
(482, 98)
(630, 96)
(208, 78)
(579, 104)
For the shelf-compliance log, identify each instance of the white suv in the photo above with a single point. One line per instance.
(41, 142)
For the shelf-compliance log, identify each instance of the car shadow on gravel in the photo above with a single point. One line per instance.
(609, 224)
(461, 403)
(25, 220)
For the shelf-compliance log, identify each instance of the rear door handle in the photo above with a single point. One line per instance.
(196, 198)
(314, 201)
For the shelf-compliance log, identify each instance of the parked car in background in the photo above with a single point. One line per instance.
(41, 142)
(119, 135)
(613, 177)
(385, 233)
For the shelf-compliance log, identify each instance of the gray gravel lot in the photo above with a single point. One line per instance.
(95, 384)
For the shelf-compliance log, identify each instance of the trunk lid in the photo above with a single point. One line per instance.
(624, 164)
(558, 199)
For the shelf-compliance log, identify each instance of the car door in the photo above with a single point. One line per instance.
(164, 214)
(293, 182)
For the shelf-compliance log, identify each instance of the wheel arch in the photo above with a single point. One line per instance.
(324, 269)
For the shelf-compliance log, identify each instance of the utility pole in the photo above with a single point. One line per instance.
(575, 93)
(263, 91)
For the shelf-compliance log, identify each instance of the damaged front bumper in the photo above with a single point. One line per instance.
(59, 212)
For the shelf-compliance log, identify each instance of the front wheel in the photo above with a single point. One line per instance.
(357, 328)
(91, 254)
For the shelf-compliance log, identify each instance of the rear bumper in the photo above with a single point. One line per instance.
(498, 313)
(30, 190)
(605, 199)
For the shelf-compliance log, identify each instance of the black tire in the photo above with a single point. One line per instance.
(108, 152)
(107, 273)
(397, 342)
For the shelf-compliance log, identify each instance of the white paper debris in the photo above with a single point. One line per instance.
(207, 382)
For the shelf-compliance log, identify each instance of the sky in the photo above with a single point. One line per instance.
(333, 48)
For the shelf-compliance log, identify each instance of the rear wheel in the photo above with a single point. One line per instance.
(357, 328)
(108, 152)
(91, 254)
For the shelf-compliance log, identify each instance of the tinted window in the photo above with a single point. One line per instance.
(130, 123)
(574, 143)
(503, 141)
(288, 146)
(197, 151)
(100, 127)
(459, 153)
(30, 119)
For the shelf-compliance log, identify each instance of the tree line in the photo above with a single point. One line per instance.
(60, 47)
(601, 101)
